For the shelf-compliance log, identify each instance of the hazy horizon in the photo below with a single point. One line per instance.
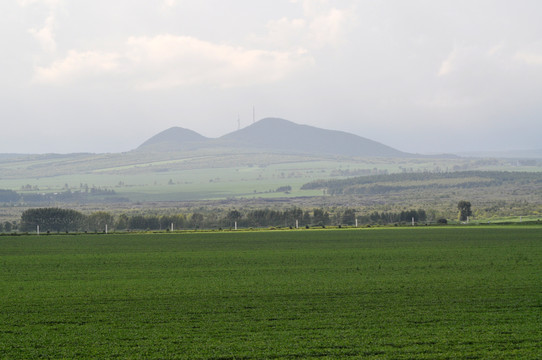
(419, 76)
(489, 152)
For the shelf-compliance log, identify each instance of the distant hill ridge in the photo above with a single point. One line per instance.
(175, 138)
(277, 136)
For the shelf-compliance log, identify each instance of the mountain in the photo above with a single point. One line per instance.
(174, 139)
(286, 136)
(275, 136)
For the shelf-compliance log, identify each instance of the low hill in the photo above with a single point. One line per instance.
(275, 135)
(174, 139)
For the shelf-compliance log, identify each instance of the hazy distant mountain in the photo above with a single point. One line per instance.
(275, 135)
(286, 136)
(174, 139)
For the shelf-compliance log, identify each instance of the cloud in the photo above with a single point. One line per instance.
(312, 8)
(447, 66)
(321, 25)
(45, 35)
(169, 3)
(529, 58)
(167, 61)
(50, 3)
(78, 65)
(531, 54)
(329, 28)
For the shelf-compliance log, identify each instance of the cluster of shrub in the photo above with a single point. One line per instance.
(62, 220)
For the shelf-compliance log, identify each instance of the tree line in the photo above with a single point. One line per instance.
(67, 220)
(381, 184)
(85, 195)
(394, 217)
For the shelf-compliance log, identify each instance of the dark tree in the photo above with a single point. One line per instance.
(196, 220)
(53, 219)
(9, 196)
(122, 222)
(234, 215)
(99, 219)
(320, 217)
(349, 217)
(465, 211)
(137, 222)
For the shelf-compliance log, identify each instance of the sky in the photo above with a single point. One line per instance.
(422, 76)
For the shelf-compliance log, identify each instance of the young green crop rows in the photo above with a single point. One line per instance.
(423, 293)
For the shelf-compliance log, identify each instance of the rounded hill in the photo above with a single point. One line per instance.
(174, 139)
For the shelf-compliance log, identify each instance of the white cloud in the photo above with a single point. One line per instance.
(531, 54)
(45, 35)
(77, 65)
(167, 61)
(313, 8)
(529, 58)
(329, 27)
(169, 3)
(284, 32)
(50, 3)
(447, 66)
(321, 25)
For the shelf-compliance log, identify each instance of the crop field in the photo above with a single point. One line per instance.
(395, 293)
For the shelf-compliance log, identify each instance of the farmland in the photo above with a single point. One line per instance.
(195, 176)
(184, 183)
(431, 292)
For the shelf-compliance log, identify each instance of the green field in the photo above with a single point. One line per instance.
(406, 293)
(192, 176)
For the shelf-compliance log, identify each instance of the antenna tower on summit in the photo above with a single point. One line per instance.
(238, 122)
(253, 114)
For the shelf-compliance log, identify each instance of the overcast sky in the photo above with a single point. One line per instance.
(423, 76)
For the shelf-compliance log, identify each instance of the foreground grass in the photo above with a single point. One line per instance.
(434, 293)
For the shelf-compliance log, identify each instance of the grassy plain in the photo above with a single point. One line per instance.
(162, 183)
(405, 293)
(187, 176)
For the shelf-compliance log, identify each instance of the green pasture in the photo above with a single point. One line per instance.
(156, 182)
(405, 293)
(179, 176)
